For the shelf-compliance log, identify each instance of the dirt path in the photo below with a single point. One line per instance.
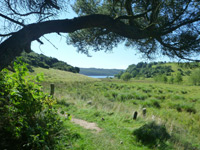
(86, 125)
(83, 123)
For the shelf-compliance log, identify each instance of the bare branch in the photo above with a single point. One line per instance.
(9, 34)
(50, 42)
(26, 14)
(174, 49)
(177, 17)
(185, 22)
(12, 20)
(132, 17)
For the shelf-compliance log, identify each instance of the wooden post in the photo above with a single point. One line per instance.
(135, 115)
(144, 111)
(52, 89)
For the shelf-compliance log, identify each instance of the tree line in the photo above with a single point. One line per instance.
(147, 70)
(163, 72)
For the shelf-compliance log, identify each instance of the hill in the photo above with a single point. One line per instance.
(150, 70)
(40, 60)
(99, 72)
(54, 75)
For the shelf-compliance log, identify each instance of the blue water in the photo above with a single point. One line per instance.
(101, 76)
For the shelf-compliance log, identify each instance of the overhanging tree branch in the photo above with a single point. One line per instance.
(175, 49)
(21, 40)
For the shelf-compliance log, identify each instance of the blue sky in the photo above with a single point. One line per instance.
(120, 58)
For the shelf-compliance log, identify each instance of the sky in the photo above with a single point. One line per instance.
(120, 58)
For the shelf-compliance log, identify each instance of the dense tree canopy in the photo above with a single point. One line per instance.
(167, 27)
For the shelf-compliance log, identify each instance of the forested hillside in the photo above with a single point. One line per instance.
(161, 71)
(40, 60)
(99, 72)
(149, 70)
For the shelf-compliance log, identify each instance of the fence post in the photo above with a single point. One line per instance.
(144, 111)
(135, 115)
(52, 89)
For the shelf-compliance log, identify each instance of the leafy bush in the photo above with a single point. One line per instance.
(152, 134)
(171, 80)
(178, 78)
(126, 76)
(28, 120)
(195, 77)
(161, 78)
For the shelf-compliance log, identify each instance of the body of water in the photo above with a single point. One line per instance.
(101, 76)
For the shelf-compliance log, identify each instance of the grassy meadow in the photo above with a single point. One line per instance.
(173, 109)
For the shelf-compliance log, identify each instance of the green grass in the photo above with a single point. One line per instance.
(54, 75)
(174, 106)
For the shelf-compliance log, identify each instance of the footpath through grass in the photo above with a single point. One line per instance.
(111, 103)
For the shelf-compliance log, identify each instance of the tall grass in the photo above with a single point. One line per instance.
(174, 106)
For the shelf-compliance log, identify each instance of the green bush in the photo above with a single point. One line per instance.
(152, 134)
(28, 120)
(126, 76)
(178, 78)
(161, 78)
(195, 77)
(171, 80)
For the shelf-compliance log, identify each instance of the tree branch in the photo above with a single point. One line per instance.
(7, 34)
(133, 17)
(174, 49)
(180, 25)
(18, 42)
(26, 14)
(12, 20)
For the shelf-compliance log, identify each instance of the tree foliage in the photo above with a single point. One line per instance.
(149, 70)
(167, 27)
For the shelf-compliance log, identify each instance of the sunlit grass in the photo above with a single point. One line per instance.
(174, 105)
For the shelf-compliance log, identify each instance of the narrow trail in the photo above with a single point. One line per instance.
(86, 125)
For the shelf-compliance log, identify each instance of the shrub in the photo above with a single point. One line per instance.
(28, 120)
(195, 77)
(178, 78)
(171, 80)
(161, 78)
(126, 76)
(152, 103)
(152, 134)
